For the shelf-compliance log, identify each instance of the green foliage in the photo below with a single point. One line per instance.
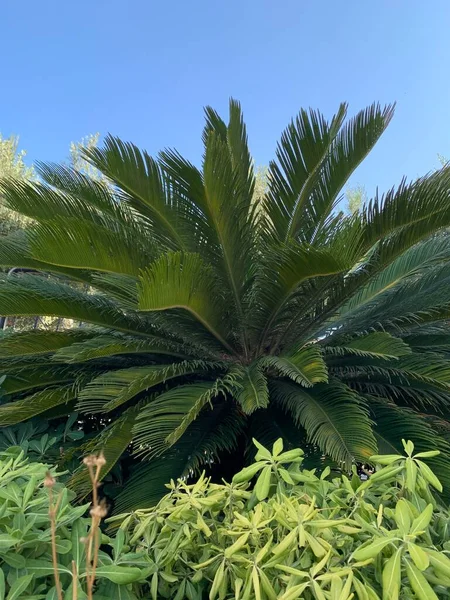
(214, 307)
(42, 440)
(26, 569)
(281, 531)
(12, 164)
(277, 530)
(77, 158)
(356, 197)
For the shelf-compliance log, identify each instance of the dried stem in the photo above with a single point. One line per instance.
(98, 511)
(74, 581)
(52, 512)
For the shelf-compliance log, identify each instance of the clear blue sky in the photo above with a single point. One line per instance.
(143, 70)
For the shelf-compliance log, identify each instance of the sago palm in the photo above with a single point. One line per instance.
(209, 317)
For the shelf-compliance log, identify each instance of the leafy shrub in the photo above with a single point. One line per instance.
(291, 534)
(26, 539)
(295, 534)
(41, 439)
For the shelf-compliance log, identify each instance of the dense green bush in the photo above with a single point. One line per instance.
(44, 439)
(277, 531)
(294, 534)
(25, 539)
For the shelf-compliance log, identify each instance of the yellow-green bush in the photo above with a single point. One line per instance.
(298, 534)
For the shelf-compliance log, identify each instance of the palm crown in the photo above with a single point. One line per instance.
(211, 317)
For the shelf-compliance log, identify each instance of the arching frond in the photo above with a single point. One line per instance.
(165, 418)
(36, 342)
(112, 389)
(410, 264)
(142, 185)
(285, 269)
(102, 346)
(15, 252)
(112, 442)
(303, 147)
(413, 380)
(36, 376)
(184, 281)
(97, 196)
(30, 295)
(252, 392)
(86, 245)
(355, 140)
(214, 433)
(306, 366)
(379, 344)
(335, 418)
(30, 406)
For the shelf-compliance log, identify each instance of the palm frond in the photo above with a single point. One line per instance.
(165, 418)
(214, 433)
(81, 244)
(184, 281)
(142, 185)
(112, 442)
(306, 366)
(285, 269)
(378, 344)
(228, 212)
(30, 295)
(40, 402)
(303, 147)
(335, 418)
(354, 141)
(251, 389)
(36, 376)
(102, 346)
(410, 264)
(37, 342)
(394, 223)
(113, 388)
(235, 136)
(15, 252)
(432, 371)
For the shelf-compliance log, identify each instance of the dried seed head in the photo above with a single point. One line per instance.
(89, 461)
(49, 480)
(100, 511)
(95, 461)
(101, 460)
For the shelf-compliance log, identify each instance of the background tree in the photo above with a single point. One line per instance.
(356, 198)
(214, 319)
(77, 156)
(12, 164)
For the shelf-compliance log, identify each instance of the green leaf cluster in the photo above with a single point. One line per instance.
(26, 569)
(280, 531)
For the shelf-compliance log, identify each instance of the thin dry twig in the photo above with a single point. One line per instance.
(74, 581)
(49, 483)
(98, 512)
